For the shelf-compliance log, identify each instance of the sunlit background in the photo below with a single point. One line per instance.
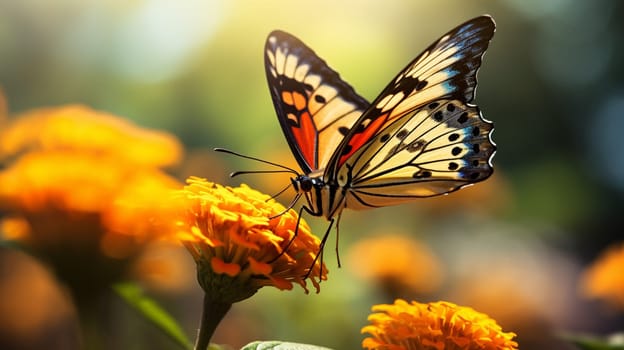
(513, 247)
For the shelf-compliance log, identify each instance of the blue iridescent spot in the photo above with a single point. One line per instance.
(448, 87)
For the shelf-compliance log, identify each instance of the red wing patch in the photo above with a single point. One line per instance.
(360, 138)
(305, 135)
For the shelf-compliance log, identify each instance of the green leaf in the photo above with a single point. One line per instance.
(279, 345)
(586, 342)
(149, 308)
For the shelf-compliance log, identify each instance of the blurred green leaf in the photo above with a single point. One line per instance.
(16, 245)
(586, 342)
(149, 308)
(279, 345)
(10, 244)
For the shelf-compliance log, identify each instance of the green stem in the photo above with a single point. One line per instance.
(91, 322)
(212, 314)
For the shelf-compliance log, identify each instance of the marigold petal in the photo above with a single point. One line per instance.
(259, 268)
(197, 235)
(243, 241)
(281, 283)
(221, 267)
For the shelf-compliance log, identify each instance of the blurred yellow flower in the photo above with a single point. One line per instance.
(604, 279)
(81, 129)
(238, 243)
(82, 190)
(436, 326)
(397, 263)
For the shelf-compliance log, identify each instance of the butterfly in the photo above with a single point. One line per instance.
(421, 136)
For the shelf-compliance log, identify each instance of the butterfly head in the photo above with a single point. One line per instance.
(304, 183)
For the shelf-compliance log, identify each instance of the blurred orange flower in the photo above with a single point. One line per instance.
(35, 313)
(487, 197)
(437, 325)
(604, 278)
(398, 263)
(238, 241)
(82, 190)
(80, 129)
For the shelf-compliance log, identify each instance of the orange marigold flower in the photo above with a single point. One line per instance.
(72, 207)
(82, 129)
(81, 189)
(604, 279)
(237, 239)
(433, 326)
(397, 263)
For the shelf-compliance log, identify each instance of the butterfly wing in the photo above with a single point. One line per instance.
(434, 150)
(314, 106)
(447, 69)
(421, 137)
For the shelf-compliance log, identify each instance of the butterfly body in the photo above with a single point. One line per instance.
(420, 137)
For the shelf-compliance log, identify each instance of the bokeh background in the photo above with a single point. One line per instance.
(514, 246)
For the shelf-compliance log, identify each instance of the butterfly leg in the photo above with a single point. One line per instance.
(320, 252)
(337, 238)
(296, 230)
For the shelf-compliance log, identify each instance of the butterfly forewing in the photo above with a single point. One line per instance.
(314, 106)
(445, 70)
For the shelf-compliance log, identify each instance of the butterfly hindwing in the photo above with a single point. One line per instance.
(314, 106)
(445, 70)
(434, 150)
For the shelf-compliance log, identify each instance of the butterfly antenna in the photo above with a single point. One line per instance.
(286, 169)
(290, 206)
(244, 172)
(279, 193)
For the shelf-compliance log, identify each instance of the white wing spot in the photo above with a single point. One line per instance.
(383, 101)
(393, 101)
(313, 80)
(280, 59)
(291, 65)
(301, 72)
(271, 56)
(390, 101)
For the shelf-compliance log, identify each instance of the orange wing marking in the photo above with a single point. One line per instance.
(359, 139)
